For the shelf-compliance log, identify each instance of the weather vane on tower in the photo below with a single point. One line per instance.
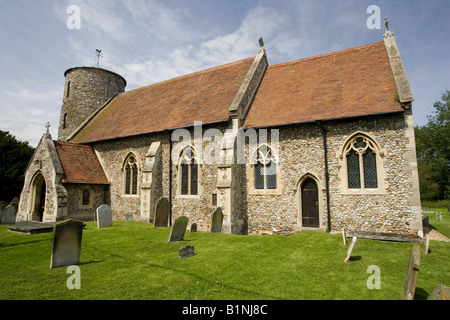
(99, 55)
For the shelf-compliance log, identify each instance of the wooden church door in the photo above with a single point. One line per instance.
(310, 204)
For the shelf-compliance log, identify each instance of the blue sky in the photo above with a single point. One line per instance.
(148, 41)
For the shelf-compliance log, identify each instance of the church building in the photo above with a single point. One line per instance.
(321, 144)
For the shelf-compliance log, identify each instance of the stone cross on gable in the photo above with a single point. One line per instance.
(47, 132)
(47, 127)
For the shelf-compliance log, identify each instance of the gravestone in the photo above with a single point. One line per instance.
(179, 229)
(15, 203)
(350, 249)
(2, 208)
(104, 216)
(9, 215)
(186, 252)
(440, 292)
(66, 246)
(217, 221)
(162, 213)
(194, 227)
(412, 272)
(426, 244)
(129, 217)
(344, 236)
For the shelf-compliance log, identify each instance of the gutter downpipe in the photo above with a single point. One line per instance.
(170, 178)
(327, 174)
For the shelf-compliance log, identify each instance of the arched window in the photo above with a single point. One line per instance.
(86, 197)
(188, 173)
(131, 175)
(265, 169)
(361, 156)
(68, 89)
(65, 120)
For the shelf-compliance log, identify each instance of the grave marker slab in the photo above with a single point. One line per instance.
(412, 272)
(426, 244)
(178, 229)
(104, 216)
(440, 292)
(350, 249)
(9, 215)
(217, 221)
(186, 252)
(344, 236)
(66, 246)
(194, 227)
(162, 213)
(128, 217)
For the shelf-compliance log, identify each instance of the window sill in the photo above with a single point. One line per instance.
(188, 197)
(257, 192)
(364, 191)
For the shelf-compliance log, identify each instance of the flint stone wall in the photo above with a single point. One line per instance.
(301, 153)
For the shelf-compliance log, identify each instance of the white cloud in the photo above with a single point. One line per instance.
(239, 44)
(27, 106)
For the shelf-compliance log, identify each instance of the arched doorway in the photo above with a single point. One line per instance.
(310, 203)
(39, 194)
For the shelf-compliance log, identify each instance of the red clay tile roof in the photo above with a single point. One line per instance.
(349, 83)
(202, 96)
(80, 164)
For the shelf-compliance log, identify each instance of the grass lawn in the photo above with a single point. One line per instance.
(132, 260)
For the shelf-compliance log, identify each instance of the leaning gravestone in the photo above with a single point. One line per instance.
(162, 213)
(179, 229)
(15, 203)
(350, 249)
(426, 244)
(9, 215)
(104, 216)
(66, 247)
(344, 236)
(217, 221)
(412, 272)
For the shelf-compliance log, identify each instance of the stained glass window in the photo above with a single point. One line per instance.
(354, 180)
(134, 172)
(265, 169)
(184, 178)
(361, 164)
(189, 174)
(131, 176)
(271, 172)
(259, 176)
(86, 196)
(370, 170)
(127, 180)
(194, 178)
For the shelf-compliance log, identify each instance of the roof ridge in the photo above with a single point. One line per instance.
(71, 143)
(189, 75)
(325, 55)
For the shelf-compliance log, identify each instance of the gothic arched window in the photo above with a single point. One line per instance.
(131, 175)
(361, 158)
(188, 173)
(265, 169)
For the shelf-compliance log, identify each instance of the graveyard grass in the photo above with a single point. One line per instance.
(132, 260)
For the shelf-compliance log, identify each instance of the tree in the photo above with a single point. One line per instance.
(433, 152)
(14, 158)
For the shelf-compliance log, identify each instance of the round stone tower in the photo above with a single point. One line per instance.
(86, 90)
